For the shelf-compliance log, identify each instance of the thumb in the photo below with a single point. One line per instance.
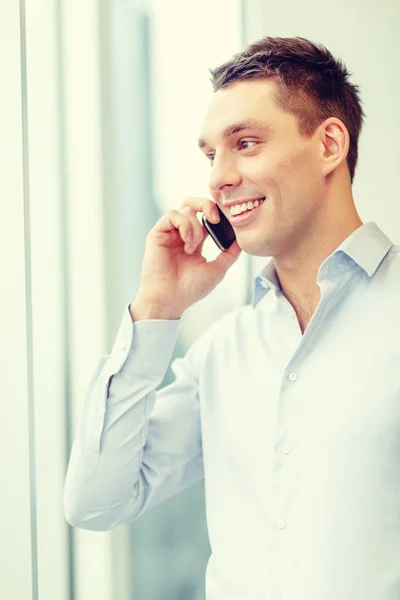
(226, 259)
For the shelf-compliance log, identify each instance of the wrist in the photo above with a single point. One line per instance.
(142, 309)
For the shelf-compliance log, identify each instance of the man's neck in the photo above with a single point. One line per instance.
(298, 273)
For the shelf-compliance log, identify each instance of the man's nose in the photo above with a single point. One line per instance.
(224, 173)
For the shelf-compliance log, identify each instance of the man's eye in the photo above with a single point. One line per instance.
(246, 142)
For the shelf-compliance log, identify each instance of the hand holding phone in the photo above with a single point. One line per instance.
(175, 275)
(222, 232)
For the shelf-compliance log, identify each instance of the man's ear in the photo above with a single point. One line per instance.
(335, 142)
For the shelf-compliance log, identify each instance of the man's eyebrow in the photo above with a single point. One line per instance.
(235, 128)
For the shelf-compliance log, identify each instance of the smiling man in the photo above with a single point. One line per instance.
(289, 408)
(284, 132)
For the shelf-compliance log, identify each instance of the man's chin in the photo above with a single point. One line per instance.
(253, 247)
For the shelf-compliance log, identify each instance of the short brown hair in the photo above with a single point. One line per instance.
(311, 84)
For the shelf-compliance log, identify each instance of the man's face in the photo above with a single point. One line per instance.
(256, 152)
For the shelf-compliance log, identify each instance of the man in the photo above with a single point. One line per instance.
(289, 407)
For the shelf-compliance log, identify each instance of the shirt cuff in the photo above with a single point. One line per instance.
(145, 346)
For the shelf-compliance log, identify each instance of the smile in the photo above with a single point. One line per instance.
(238, 209)
(244, 214)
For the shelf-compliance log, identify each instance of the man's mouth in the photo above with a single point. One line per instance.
(244, 207)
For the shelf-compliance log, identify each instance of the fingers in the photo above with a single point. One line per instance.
(184, 223)
(174, 219)
(197, 229)
(226, 259)
(190, 207)
(205, 236)
(191, 230)
(205, 205)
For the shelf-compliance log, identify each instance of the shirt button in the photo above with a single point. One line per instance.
(292, 376)
(281, 523)
(123, 346)
(286, 448)
(264, 284)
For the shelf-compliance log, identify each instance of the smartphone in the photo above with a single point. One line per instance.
(222, 232)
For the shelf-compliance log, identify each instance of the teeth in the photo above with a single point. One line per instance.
(239, 208)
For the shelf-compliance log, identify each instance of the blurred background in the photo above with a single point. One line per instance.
(101, 105)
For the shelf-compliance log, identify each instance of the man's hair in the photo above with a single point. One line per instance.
(311, 84)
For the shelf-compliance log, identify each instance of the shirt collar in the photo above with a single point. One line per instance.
(366, 246)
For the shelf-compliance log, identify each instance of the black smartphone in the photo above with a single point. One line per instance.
(222, 232)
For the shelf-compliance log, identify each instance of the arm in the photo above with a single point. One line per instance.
(134, 446)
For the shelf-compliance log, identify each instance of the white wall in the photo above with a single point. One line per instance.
(49, 347)
(366, 36)
(16, 499)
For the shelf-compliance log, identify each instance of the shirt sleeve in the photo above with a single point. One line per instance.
(134, 447)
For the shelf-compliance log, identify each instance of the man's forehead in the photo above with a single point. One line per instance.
(242, 105)
(232, 128)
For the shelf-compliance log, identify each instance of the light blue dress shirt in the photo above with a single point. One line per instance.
(297, 436)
